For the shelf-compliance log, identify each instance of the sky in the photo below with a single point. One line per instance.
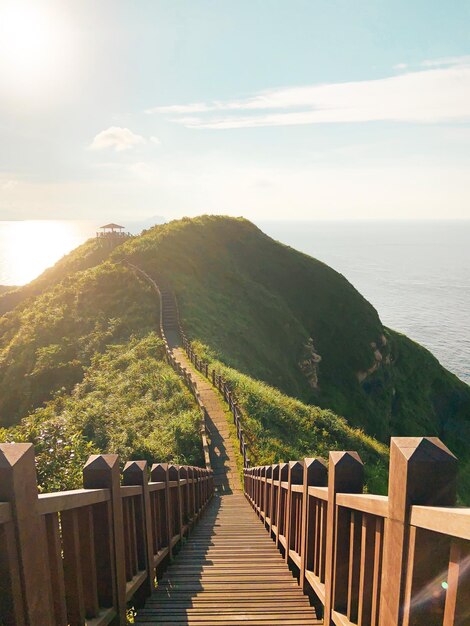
(272, 109)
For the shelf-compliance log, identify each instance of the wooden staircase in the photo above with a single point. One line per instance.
(229, 571)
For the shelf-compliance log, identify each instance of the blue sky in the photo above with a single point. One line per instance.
(269, 109)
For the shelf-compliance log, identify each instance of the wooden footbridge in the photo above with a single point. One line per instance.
(295, 543)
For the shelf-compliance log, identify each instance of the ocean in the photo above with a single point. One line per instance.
(416, 274)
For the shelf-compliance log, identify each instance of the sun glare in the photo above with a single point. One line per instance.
(30, 247)
(34, 44)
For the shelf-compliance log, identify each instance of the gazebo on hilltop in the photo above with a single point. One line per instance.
(111, 231)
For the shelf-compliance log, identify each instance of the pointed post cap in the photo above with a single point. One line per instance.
(11, 453)
(345, 472)
(159, 472)
(316, 472)
(283, 471)
(135, 473)
(101, 471)
(422, 471)
(296, 472)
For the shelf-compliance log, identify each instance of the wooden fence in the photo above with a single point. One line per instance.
(368, 560)
(229, 397)
(80, 556)
(179, 369)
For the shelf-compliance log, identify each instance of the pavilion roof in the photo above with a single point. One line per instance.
(111, 226)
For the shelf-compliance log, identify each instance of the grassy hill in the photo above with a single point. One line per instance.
(264, 311)
(285, 318)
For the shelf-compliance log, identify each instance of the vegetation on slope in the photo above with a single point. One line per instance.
(5, 288)
(130, 402)
(46, 345)
(280, 428)
(287, 319)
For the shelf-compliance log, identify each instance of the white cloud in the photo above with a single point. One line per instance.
(8, 185)
(116, 137)
(446, 61)
(155, 140)
(439, 93)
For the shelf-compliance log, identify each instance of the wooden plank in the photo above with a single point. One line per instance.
(56, 568)
(365, 502)
(11, 601)
(88, 560)
(355, 562)
(228, 572)
(446, 520)
(366, 581)
(66, 500)
(74, 593)
(457, 606)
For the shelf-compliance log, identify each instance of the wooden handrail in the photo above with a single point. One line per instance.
(79, 556)
(223, 387)
(364, 559)
(182, 372)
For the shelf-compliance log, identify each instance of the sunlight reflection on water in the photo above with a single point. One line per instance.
(28, 247)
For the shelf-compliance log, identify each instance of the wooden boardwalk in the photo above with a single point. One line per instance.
(221, 449)
(229, 571)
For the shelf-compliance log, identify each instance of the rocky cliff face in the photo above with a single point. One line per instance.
(309, 364)
(381, 358)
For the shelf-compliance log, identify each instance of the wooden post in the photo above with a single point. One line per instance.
(422, 471)
(174, 475)
(345, 475)
(281, 502)
(159, 474)
(101, 471)
(18, 486)
(262, 495)
(275, 507)
(192, 495)
(136, 473)
(269, 496)
(315, 475)
(294, 477)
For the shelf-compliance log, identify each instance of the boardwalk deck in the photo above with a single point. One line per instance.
(229, 571)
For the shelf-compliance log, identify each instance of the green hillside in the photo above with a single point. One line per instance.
(287, 319)
(45, 345)
(264, 310)
(129, 402)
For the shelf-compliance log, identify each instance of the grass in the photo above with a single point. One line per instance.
(280, 428)
(130, 402)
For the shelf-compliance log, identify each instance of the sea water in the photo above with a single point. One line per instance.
(416, 274)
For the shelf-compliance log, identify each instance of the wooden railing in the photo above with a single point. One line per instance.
(80, 556)
(368, 560)
(179, 369)
(203, 367)
(227, 394)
